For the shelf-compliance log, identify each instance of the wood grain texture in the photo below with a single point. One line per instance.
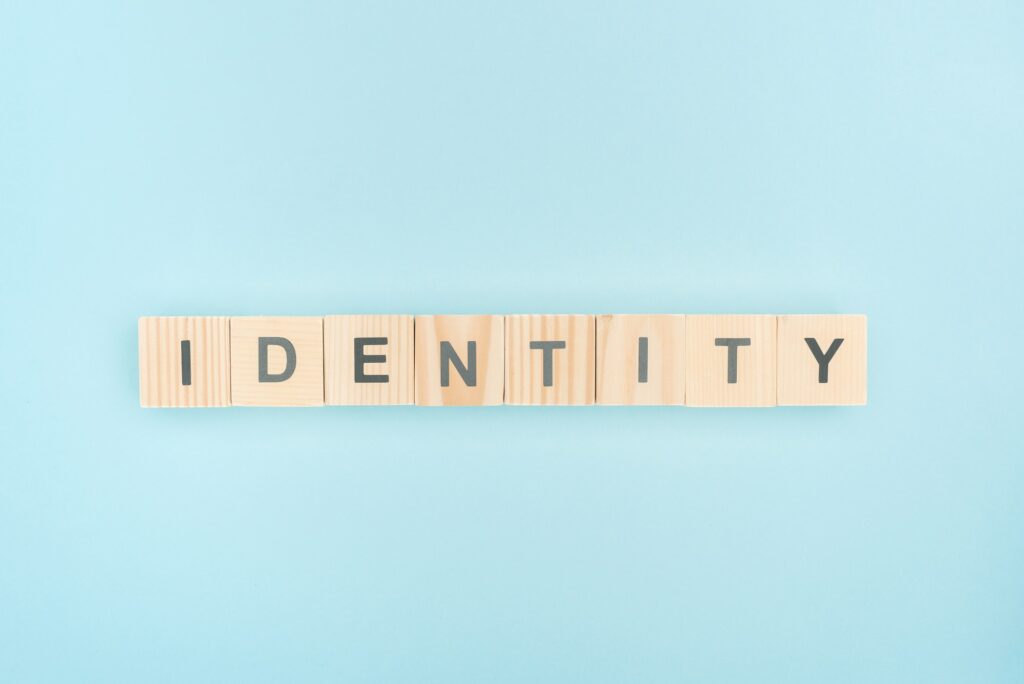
(489, 334)
(340, 386)
(573, 369)
(306, 385)
(160, 361)
(847, 376)
(618, 359)
(707, 364)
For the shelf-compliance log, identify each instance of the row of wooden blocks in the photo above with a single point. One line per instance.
(683, 360)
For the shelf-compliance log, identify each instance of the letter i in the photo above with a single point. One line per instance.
(186, 362)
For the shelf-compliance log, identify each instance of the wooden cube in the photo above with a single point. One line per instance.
(460, 360)
(368, 360)
(823, 360)
(730, 361)
(640, 359)
(184, 361)
(277, 361)
(549, 360)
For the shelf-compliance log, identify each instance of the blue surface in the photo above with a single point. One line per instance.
(305, 158)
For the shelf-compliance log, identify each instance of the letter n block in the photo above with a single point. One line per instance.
(640, 359)
(730, 361)
(183, 361)
(277, 361)
(460, 360)
(368, 360)
(549, 360)
(823, 360)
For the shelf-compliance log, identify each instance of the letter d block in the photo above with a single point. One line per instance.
(183, 361)
(459, 360)
(823, 360)
(730, 361)
(549, 360)
(368, 360)
(277, 361)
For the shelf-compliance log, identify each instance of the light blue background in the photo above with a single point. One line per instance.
(309, 158)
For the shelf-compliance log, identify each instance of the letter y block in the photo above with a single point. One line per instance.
(823, 360)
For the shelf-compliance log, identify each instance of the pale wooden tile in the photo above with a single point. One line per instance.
(839, 379)
(351, 376)
(640, 359)
(469, 338)
(708, 379)
(303, 387)
(199, 377)
(571, 370)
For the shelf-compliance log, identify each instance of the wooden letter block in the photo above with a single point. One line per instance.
(640, 359)
(368, 360)
(183, 361)
(823, 360)
(459, 360)
(549, 360)
(277, 361)
(730, 360)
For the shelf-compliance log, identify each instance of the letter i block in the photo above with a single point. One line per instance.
(277, 361)
(549, 360)
(823, 360)
(730, 361)
(460, 360)
(640, 359)
(368, 360)
(183, 361)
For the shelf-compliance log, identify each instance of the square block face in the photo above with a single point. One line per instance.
(823, 371)
(730, 360)
(640, 359)
(368, 360)
(549, 360)
(277, 361)
(184, 361)
(460, 360)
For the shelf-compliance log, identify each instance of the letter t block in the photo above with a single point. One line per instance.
(730, 361)
(549, 360)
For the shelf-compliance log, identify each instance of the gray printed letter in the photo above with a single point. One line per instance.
(732, 343)
(289, 364)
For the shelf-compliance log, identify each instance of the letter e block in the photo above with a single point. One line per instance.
(183, 361)
(368, 360)
(730, 361)
(549, 360)
(277, 361)
(460, 360)
(640, 359)
(823, 360)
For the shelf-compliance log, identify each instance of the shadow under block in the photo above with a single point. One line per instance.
(730, 360)
(277, 361)
(368, 360)
(184, 361)
(823, 371)
(549, 360)
(460, 360)
(640, 359)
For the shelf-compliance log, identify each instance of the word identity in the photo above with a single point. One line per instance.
(611, 359)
